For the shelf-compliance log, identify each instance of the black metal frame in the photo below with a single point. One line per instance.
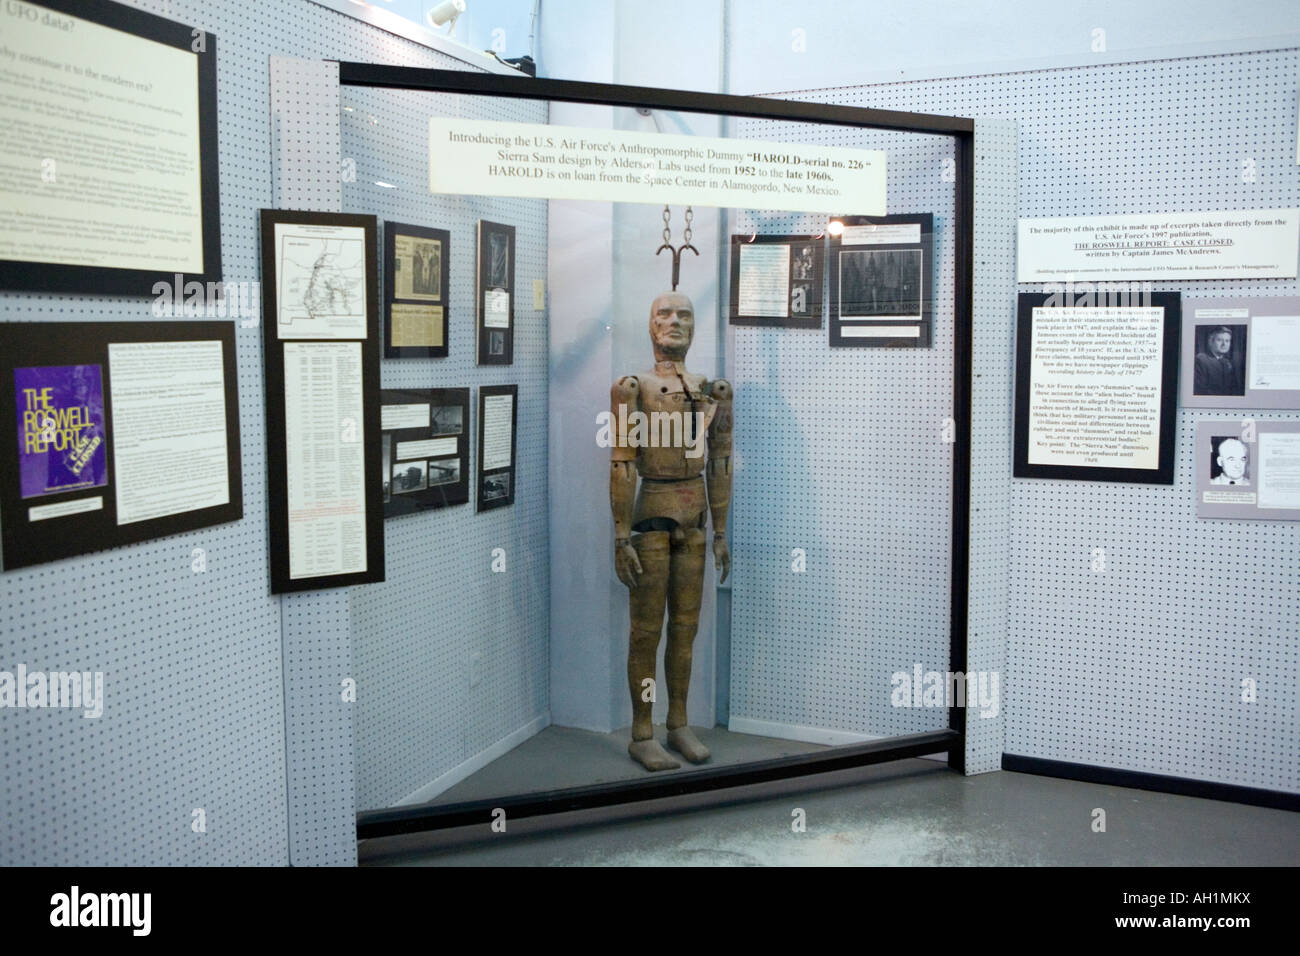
(380, 823)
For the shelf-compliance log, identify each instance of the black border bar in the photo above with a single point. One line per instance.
(1159, 782)
(644, 97)
(422, 817)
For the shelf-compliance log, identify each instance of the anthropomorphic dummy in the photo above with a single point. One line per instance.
(680, 446)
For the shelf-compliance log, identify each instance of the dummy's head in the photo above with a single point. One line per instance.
(672, 326)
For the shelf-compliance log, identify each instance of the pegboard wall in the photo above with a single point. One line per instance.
(194, 713)
(1139, 665)
(841, 453)
(451, 658)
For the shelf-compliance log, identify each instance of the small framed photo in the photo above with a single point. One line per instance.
(415, 291)
(881, 282)
(425, 449)
(1241, 352)
(777, 280)
(498, 413)
(495, 293)
(1248, 469)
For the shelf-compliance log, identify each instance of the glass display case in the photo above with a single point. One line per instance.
(676, 415)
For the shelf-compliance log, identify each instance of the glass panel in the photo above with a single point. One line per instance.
(495, 658)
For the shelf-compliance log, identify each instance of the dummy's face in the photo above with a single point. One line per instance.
(1232, 458)
(672, 323)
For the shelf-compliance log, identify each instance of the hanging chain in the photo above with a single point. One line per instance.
(686, 244)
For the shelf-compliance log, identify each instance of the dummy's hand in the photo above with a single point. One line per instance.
(721, 557)
(626, 564)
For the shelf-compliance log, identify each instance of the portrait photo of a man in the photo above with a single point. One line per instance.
(1229, 461)
(1220, 360)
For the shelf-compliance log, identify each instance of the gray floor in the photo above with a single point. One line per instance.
(906, 813)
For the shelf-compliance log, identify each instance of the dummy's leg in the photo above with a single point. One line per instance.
(685, 588)
(646, 602)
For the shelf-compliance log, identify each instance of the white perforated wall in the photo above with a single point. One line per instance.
(1139, 667)
(416, 636)
(841, 453)
(195, 700)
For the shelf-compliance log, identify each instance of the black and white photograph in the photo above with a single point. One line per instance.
(496, 487)
(417, 269)
(388, 465)
(881, 284)
(410, 476)
(448, 419)
(444, 471)
(881, 271)
(1220, 365)
(801, 262)
(498, 261)
(1229, 460)
(416, 277)
(495, 293)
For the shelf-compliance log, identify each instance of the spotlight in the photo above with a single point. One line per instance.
(444, 13)
(835, 227)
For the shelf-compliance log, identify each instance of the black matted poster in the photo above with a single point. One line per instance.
(113, 433)
(111, 115)
(777, 280)
(498, 413)
(415, 291)
(1097, 387)
(495, 293)
(425, 449)
(882, 282)
(321, 349)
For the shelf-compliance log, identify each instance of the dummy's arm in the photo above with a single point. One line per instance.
(718, 475)
(622, 479)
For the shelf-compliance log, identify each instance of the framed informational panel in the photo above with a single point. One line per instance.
(1248, 469)
(1096, 388)
(498, 412)
(113, 433)
(415, 291)
(495, 293)
(321, 349)
(425, 448)
(1241, 352)
(882, 285)
(777, 280)
(110, 119)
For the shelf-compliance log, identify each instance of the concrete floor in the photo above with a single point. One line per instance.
(905, 813)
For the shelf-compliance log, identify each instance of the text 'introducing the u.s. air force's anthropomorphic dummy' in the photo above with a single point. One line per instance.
(485, 158)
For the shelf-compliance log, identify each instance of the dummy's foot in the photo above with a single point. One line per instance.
(688, 745)
(650, 755)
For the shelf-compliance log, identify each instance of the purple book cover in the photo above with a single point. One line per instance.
(62, 444)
